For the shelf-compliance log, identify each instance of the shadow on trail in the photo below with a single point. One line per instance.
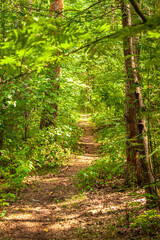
(52, 208)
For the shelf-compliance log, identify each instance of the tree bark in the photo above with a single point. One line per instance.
(130, 110)
(56, 7)
(1, 78)
(136, 130)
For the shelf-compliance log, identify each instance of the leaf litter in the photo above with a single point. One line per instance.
(53, 208)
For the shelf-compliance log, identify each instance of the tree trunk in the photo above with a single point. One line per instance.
(136, 131)
(130, 110)
(3, 36)
(56, 7)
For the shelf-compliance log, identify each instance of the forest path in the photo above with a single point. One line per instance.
(52, 208)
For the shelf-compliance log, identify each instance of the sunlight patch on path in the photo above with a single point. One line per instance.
(52, 206)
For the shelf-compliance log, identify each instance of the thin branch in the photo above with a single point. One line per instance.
(24, 74)
(138, 11)
(40, 5)
(119, 34)
(92, 5)
(86, 9)
(89, 44)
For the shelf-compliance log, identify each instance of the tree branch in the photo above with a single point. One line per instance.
(23, 74)
(89, 44)
(40, 5)
(138, 11)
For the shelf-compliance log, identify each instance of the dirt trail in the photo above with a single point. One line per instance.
(52, 208)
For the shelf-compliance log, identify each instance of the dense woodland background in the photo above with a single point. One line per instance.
(57, 61)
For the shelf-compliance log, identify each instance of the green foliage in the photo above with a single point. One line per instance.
(3, 214)
(111, 133)
(50, 147)
(149, 222)
(32, 45)
(100, 173)
(45, 151)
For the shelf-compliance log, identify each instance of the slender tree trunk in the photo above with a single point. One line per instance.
(56, 7)
(137, 140)
(26, 114)
(130, 110)
(1, 138)
(3, 36)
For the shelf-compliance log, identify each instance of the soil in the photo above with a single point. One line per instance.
(53, 208)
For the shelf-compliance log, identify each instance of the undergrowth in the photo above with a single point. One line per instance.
(149, 222)
(110, 168)
(100, 173)
(45, 151)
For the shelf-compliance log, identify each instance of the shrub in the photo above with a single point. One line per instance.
(149, 222)
(100, 173)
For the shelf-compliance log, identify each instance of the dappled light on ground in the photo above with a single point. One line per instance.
(53, 208)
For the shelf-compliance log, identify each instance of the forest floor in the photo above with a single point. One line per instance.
(53, 208)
